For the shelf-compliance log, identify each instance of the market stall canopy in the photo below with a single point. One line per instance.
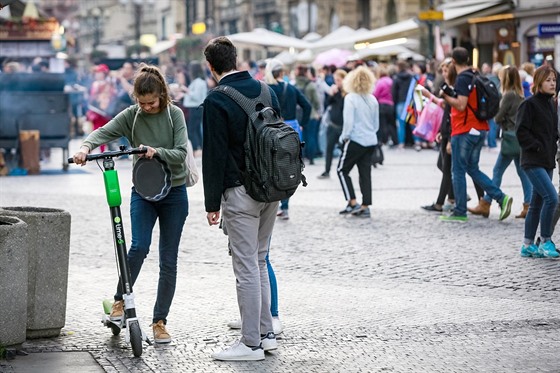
(398, 51)
(453, 12)
(162, 46)
(335, 56)
(343, 38)
(266, 38)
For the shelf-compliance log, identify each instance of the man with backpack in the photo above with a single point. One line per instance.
(470, 111)
(247, 222)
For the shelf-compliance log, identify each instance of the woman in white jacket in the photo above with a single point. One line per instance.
(192, 101)
(359, 137)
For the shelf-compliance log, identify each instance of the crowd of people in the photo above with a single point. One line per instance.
(343, 112)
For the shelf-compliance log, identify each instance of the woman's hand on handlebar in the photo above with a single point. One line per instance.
(149, 154)
(80, 156)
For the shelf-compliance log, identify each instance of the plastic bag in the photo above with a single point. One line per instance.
(190, 163)
(429, 122)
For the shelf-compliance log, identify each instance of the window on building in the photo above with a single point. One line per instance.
(303, 17)
(390, 12)
(364, 14)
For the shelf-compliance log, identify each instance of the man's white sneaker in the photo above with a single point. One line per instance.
(234, 324)
(277, 326)
(240, 352)
(268, 342)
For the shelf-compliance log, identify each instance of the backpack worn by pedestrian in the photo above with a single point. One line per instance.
(487, 97)
(272, 149)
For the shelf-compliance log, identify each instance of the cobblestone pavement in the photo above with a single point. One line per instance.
(401, 292)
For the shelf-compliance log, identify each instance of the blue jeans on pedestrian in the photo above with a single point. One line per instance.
(273, 286)
(465, 155)
(171, 212)
(502, 163)
(310, 136)
(543, 204)
(401, 127)
(492, 133)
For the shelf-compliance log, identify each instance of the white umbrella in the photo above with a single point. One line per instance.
(266, 38)
(399, 51)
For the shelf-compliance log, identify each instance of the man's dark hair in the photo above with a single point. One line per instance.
(221, 54)
(461, 56)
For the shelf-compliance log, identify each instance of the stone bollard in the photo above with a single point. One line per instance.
(48, 257)
(13, 280)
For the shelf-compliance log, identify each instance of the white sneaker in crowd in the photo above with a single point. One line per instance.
(240, 352)
(234, 324)
(277, 326)
(268, 342)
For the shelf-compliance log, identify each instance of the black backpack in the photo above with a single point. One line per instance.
(273, 162)
(487, 97)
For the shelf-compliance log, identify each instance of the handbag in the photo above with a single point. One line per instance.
(429, 122)
(190, 163)
(510, 145)
(191, 169)
(377, 156)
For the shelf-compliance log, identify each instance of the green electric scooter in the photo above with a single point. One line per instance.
(135, 335)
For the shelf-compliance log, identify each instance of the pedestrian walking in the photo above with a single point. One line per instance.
(512, 96)
(334, 113)
(290, 99)
(247, 222)
(537, 132)
(468, 135)
(359, 137)
(155, 123)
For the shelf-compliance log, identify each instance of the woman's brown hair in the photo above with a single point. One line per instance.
(149, 80)
(541, 74)
(511, 80)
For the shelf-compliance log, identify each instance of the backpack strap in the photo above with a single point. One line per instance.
(247, 104)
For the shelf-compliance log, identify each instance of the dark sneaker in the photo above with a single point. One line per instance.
(362, 212)
(349, 209)
(324, 175)
(505, 207)
(454, 218)
(432, 207)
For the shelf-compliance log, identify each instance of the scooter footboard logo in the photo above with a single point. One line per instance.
(118, 230)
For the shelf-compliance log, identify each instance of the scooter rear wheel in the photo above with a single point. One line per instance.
(136, 338)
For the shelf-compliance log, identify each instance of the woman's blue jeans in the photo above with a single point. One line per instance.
(401, 127)
(502, 163)
(273, 286)
(172, 212)
(543, 204)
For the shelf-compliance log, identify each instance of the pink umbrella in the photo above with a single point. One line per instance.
(335, 56)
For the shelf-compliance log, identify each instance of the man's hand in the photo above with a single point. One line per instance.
(213, 217)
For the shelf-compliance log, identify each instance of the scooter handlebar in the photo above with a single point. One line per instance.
(113, 154)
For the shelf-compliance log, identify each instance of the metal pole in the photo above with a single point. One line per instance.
(431, 34)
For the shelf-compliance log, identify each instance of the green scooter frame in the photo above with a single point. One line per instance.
(135, 335)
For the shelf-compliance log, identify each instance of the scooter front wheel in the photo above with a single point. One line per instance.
(135, 338)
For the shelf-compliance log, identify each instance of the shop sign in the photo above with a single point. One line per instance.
(547, 29)
(34, 29)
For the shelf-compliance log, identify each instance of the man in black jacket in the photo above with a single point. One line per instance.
(247, 223)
